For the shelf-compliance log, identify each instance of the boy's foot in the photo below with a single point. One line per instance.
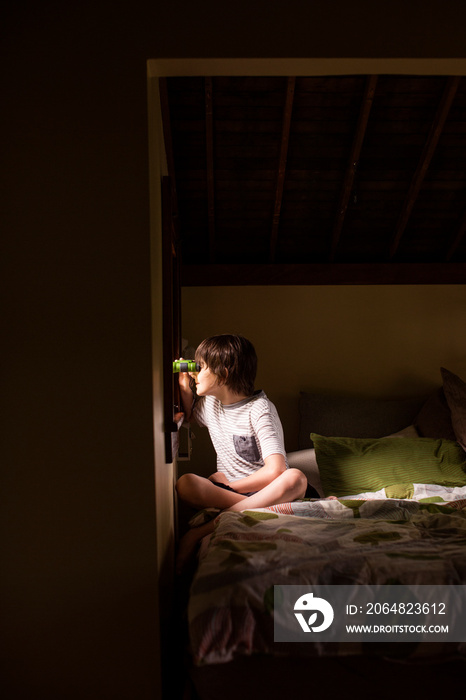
(187, 546)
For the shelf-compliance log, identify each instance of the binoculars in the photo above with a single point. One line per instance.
(186, 366)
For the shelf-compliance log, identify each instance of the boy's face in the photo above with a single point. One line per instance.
(207, 383)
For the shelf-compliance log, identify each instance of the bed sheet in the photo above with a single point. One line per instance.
(344, 541)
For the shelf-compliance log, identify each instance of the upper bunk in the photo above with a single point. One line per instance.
(340, 179)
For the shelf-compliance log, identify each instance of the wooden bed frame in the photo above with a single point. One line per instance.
(175, 276)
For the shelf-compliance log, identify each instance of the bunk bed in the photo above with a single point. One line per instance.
(322, 180)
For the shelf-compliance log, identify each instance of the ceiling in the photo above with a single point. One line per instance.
(366, 173)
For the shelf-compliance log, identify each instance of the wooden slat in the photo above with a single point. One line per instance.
(353, 161)
(287, 111)
(168, 143)
(169, 328)
(325, 273)
(209, 126)
(425, 159)
(167, 133)
(458, 238)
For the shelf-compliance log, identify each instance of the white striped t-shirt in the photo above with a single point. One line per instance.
(243, 433)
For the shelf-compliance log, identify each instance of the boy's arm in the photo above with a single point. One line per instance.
(274, 465)
(186, 395)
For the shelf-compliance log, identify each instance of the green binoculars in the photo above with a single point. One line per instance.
(186, 366)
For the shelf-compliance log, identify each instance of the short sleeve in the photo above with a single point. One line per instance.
(269, 432)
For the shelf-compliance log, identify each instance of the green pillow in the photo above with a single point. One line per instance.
(349, 466)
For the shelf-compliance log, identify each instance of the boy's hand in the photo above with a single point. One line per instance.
(184, 379)
(219, 478)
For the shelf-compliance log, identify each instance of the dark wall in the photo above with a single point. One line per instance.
(79, 570)
(80, 574)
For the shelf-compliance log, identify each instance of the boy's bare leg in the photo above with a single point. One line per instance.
(289, 486)
(202, 493)
(188, 543)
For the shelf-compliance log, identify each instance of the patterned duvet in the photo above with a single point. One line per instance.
(385, 541)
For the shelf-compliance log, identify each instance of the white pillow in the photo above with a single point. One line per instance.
(305, 460)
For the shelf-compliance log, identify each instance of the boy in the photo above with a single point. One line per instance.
(245, 429)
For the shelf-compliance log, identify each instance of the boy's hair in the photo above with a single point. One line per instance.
(232, 359)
